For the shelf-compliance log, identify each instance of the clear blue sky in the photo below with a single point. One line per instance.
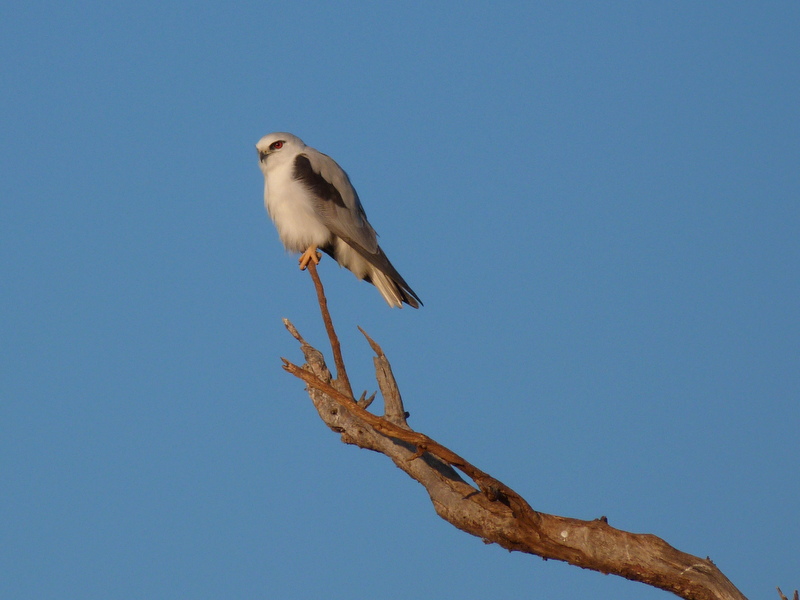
(599, 204)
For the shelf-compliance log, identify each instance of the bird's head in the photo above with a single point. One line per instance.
(276, 148)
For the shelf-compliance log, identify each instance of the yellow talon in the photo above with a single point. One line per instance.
(308, 256)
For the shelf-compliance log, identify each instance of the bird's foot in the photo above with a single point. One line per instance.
(308, 256)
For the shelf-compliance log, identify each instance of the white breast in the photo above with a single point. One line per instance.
(290, 207)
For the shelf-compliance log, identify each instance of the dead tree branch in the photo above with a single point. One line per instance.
(486, 507)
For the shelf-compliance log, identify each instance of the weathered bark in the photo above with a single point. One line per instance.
(486, 507)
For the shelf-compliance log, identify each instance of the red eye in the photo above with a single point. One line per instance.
(276, 145)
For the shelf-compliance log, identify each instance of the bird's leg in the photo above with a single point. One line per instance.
(308, 256)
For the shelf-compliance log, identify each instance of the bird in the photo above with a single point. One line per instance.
(313, 205)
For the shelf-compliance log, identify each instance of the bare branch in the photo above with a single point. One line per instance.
(338, 361)
(394, 412)
(489, 509)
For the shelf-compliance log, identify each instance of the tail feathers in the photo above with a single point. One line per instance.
(375, 268)
(394, 292)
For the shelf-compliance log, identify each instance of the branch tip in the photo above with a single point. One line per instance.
(293, 330)
(372, 343)
(365, 401)
(796, 595)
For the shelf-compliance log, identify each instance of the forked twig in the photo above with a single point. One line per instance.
(783, 597)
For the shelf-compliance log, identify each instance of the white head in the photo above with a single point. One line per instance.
(277, 149)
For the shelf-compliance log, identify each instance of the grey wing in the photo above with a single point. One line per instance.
(335, 200)
(337, 204)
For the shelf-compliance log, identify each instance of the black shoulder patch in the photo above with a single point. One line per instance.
(316, 183)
